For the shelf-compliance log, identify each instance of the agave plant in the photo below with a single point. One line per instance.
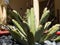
(25, 32)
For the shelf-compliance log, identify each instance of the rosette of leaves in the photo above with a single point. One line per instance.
(26, 33)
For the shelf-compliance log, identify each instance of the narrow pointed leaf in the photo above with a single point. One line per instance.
(19, 26)
(44, 17)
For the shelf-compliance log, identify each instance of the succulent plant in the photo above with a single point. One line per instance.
(25, 31)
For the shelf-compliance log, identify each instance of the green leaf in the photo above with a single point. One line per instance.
(52, 30)
(19, 26)
(31, 21)
(17, 35)
(44, 17)
(47, 24)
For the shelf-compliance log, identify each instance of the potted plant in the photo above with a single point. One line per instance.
(25, 31)
(32, 31)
